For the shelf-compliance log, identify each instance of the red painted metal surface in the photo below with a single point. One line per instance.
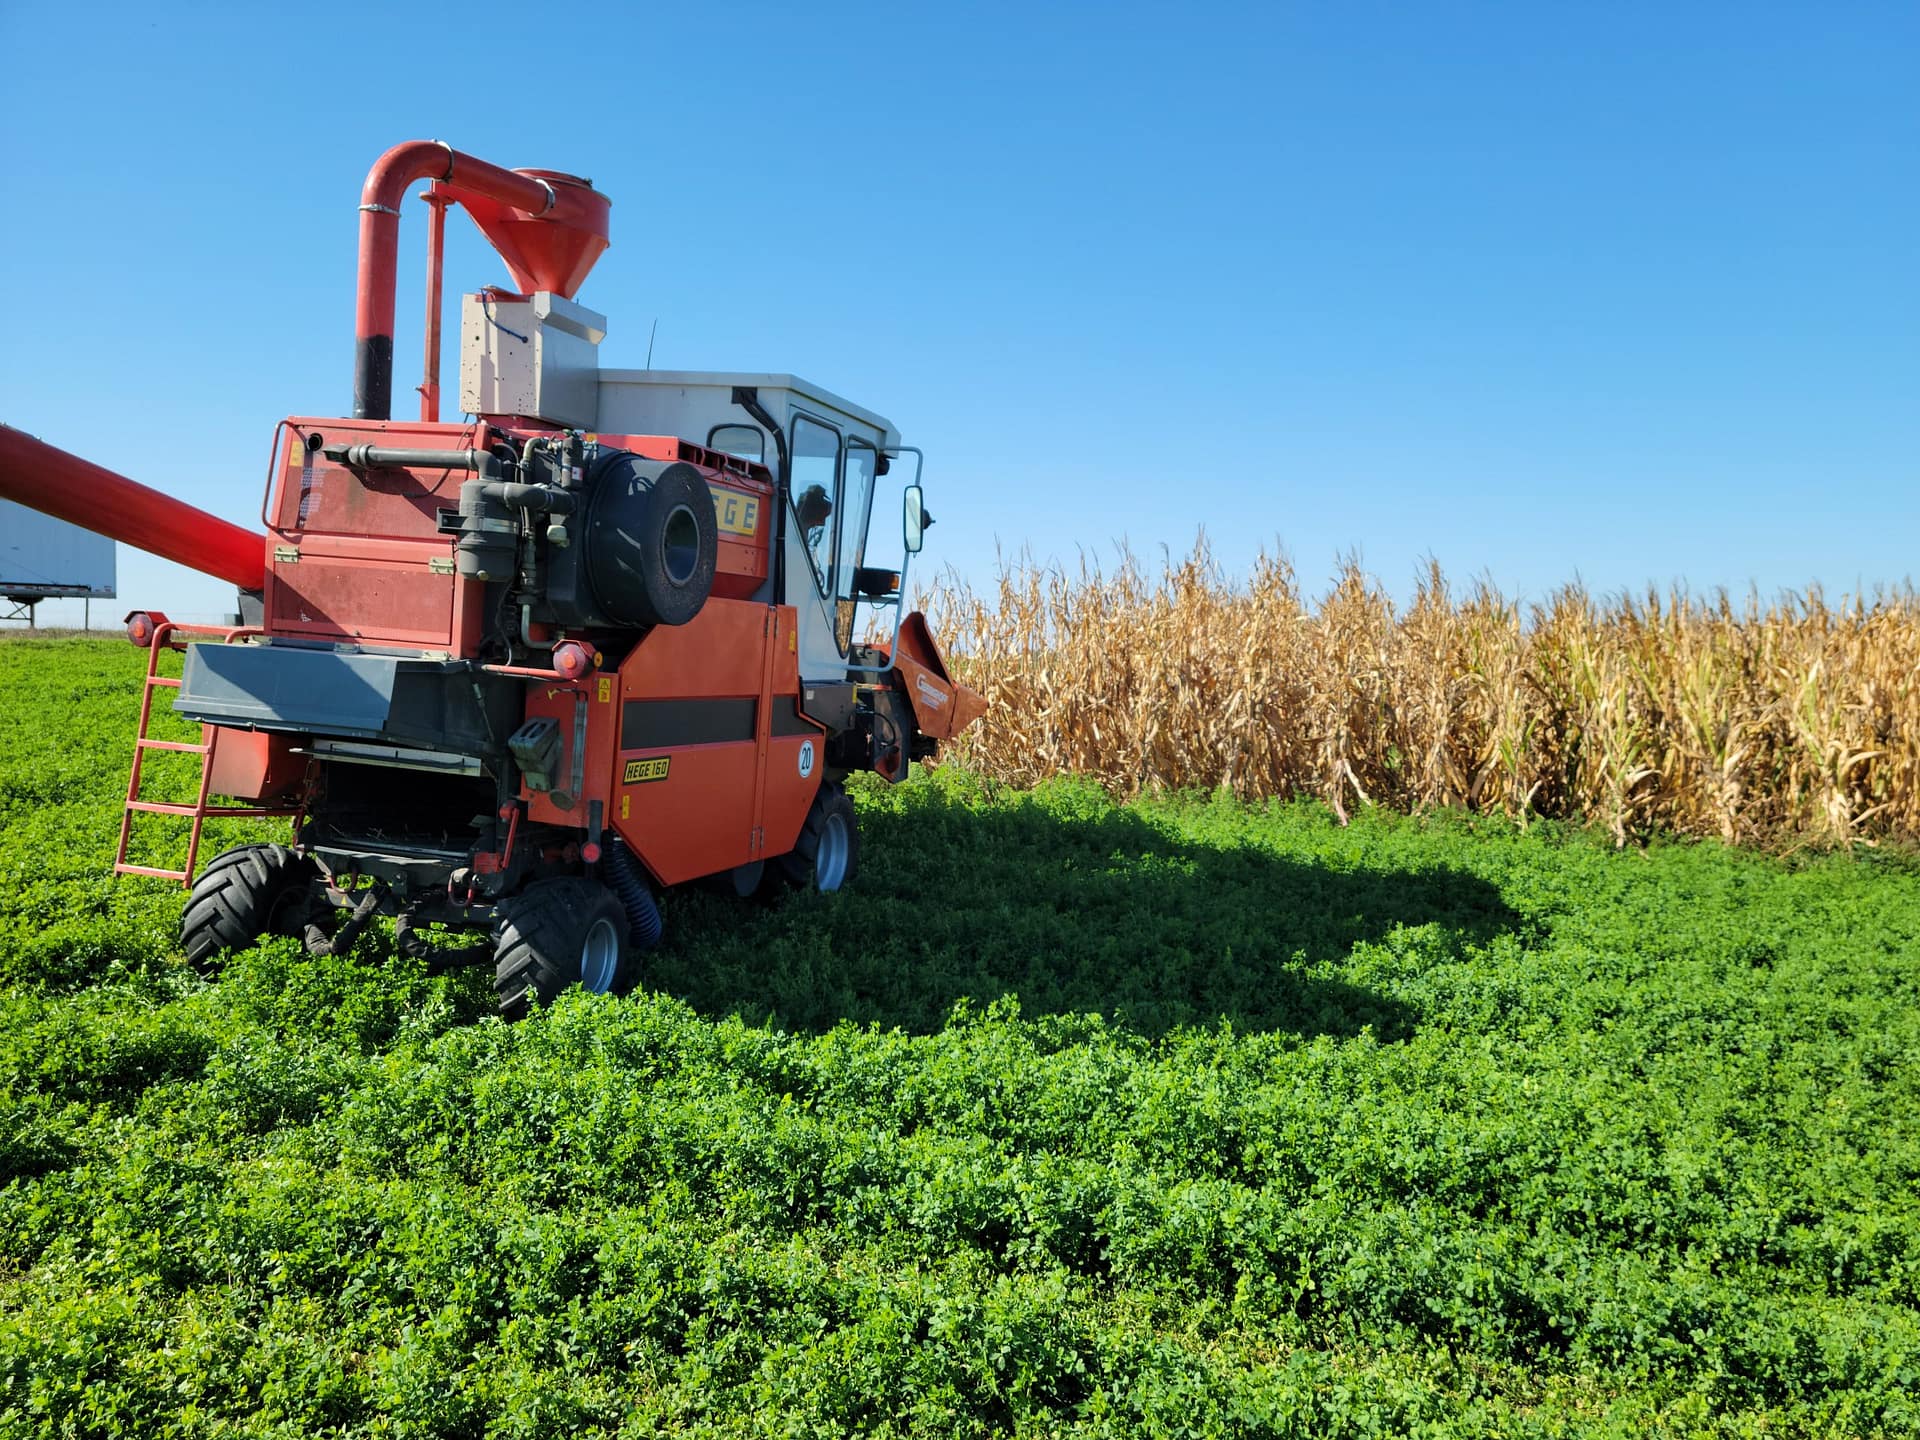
(253, 764)
(527, 672)
(588, 713)
(672, 447)
(57, 483)
(551, 251)
(786, 794)
(726, 801)
(942, 706)
(361, 557)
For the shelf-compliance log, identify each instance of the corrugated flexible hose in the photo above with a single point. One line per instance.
(643, 914)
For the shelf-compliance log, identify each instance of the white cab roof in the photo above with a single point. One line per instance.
(631, 396)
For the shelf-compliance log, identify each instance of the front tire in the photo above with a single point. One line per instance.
(246, 892)
(827, 853)
(557, 934)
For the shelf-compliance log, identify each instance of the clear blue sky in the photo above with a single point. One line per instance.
(1627, 291)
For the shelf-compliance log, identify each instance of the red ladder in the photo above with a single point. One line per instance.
(169, 636)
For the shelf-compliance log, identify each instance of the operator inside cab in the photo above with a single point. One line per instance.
(812, 507)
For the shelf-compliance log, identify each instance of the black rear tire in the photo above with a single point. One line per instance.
(827, 854)
(244, 893)
(557, 934)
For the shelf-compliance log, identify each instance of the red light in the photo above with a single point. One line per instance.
(140, 628)
(572, 660)
(590, 853)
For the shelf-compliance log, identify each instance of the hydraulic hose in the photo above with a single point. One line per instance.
(623, 876)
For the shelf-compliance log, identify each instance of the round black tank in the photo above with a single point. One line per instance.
(652, 539)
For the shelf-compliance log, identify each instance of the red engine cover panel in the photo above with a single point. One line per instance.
(360, 557)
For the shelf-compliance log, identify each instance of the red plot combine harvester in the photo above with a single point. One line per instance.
(518, 673)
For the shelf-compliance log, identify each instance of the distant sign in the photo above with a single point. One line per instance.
(41, 556)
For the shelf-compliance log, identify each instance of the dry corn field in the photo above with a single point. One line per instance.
(1787, 722)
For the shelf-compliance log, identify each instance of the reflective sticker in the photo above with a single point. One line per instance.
(653, 769)
(806, 758)
(310, 483)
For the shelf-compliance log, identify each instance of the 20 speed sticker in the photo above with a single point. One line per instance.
(654, 769)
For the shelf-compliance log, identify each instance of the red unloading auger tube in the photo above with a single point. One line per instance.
(54, 482)
(549, 227)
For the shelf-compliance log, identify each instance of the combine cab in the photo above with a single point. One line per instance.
(621, 631)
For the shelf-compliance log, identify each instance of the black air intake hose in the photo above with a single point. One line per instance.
(643, 914)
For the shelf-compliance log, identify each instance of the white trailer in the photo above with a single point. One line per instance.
(42, 559)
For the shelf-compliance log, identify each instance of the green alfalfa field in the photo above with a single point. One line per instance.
(1188, 1116)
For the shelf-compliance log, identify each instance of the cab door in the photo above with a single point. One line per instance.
(831, 502)
(858, 469)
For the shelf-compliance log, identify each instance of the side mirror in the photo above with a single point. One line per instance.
(914, 520)
(743, 442)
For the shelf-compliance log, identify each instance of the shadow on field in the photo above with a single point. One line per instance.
(1101, 911)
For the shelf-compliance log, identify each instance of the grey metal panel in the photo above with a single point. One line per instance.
(279, 687)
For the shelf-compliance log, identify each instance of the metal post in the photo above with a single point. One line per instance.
(429, 386)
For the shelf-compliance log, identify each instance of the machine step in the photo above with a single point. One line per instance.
(158, 874)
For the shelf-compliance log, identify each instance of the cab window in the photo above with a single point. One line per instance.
(856, 500)
(815, 493)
